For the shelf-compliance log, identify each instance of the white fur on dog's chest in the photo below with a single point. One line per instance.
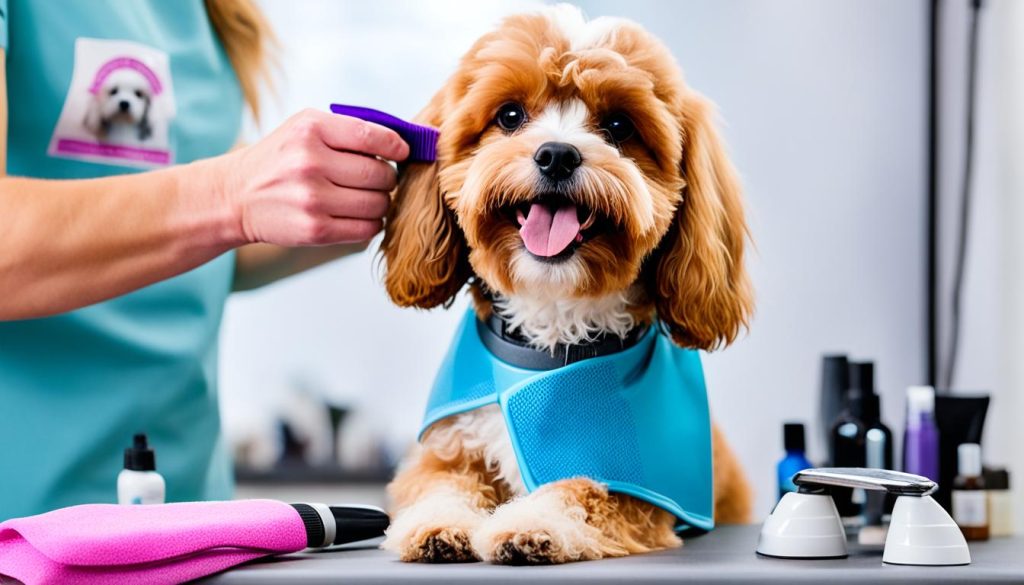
(547, 321)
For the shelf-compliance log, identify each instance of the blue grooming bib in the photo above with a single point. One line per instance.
(636, 420)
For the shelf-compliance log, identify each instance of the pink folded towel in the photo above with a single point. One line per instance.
(166, 543)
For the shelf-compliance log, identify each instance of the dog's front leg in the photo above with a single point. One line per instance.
(572, 520)
(440, 500)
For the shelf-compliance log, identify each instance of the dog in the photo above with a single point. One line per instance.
(582, 192)
(119, 110)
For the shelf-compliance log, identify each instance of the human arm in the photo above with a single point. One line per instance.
(67, 244)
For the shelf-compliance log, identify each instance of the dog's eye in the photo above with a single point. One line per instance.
(138, 93)
(618, 127)
(510, 116)
(113, 90)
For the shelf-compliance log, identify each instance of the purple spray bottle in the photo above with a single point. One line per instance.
(921, 441)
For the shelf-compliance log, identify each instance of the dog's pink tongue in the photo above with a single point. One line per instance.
(547, 234)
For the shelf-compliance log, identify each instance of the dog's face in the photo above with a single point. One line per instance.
(574, 163)
(124, 98)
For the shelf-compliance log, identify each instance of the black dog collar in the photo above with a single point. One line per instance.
(512, 348)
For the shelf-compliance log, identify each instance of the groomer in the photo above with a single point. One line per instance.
(125, 223)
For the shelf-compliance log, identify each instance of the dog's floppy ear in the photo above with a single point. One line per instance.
(696, 277)
(145, 129)
(424, 249)
(93, 121)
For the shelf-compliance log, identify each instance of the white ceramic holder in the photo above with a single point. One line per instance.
(922, 533)
(803, 526)
(806, 524)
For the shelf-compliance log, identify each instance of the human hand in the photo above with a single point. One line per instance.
(315, 181)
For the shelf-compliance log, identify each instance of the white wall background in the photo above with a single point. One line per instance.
(823, 104)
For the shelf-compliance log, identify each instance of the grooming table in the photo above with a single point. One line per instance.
(726, 555)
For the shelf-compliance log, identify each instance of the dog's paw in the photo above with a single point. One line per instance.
(438, 545)
(542, 528)
(434, 530)
(534, 547)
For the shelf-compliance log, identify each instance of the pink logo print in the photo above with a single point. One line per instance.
(125, 63)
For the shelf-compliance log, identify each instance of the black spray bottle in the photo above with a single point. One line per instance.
(835, 379)
(848, 436)
(878, 436)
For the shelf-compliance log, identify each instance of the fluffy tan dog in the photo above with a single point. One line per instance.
(581, 191)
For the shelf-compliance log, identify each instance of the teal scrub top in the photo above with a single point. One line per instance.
(75, 387)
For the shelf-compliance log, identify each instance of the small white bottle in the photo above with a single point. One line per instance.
(138, 482)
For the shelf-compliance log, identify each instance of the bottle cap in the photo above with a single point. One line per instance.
(793, 437)
(139, 457)
(968, 459)
(920, 399)
(862, 375)
(997, 479)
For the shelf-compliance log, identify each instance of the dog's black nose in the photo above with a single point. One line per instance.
(557, 160)
(124, 105)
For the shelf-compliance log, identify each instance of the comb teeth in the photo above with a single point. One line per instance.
(422, 140)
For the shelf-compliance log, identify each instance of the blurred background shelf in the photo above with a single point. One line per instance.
(300, 473)
(294, 481)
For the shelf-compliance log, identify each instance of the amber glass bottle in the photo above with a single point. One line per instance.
(970, 504)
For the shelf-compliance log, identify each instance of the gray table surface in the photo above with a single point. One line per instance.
(726, 555)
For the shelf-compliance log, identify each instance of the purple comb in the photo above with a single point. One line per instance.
(422, 140)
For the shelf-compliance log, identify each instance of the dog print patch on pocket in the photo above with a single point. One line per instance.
(119, 107)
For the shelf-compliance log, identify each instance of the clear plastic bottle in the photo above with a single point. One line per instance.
(138, 482)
